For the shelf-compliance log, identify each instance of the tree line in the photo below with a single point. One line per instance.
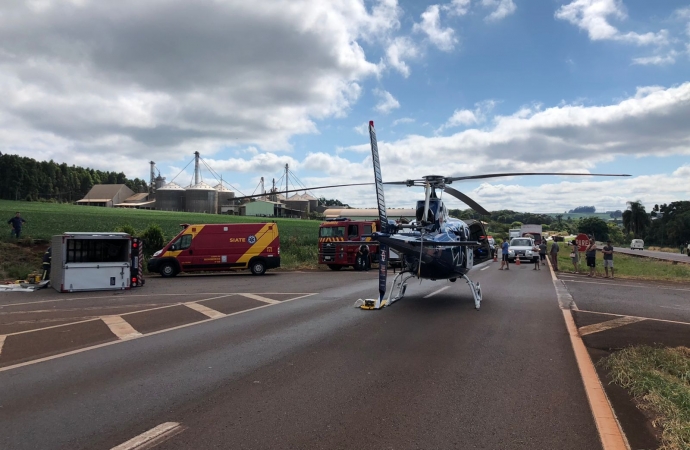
(23, 178)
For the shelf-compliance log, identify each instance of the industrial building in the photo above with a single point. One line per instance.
(106, 195)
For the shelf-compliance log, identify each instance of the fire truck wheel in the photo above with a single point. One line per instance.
(168, 270)
(334, 267)
(258, 267)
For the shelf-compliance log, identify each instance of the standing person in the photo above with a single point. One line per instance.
(575, 257)
(16, 223)
(542, 252)
(47, 258)
(504, 255)
(554, 255)
(535, 248)
(608, 258)
(591, 255)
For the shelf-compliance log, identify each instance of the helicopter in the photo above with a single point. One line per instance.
(434, 246)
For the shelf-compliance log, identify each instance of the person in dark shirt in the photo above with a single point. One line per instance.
(591, 255)
(608, 258)
(16, 223)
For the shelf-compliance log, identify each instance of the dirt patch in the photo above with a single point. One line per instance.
(19, 259)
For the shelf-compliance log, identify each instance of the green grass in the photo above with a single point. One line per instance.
(298, 238)
(659, 378)
(625, 266)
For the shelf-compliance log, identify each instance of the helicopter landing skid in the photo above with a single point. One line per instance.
(476, 291)
(399, 283)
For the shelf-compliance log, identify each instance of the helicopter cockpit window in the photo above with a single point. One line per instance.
(332, 232)
(431, 215)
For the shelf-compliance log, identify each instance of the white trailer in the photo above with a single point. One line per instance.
(91, 262)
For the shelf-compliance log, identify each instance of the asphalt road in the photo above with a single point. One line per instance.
(317, 373)
(658, 255)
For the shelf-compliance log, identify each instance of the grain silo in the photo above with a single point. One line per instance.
(225, 196)
(201, 198)
(170, 197)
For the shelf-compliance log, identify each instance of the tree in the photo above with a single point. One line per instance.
(635, 219)
(332, 202)
(594, 226)
(516, 224)
(583, 209)
(617, 214)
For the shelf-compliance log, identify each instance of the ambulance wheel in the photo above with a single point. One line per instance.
(335, 267)
(168, 270)
(258, 267)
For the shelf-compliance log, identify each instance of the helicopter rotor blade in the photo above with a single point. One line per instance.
(519, 174)
(268, 194)
(468, 201)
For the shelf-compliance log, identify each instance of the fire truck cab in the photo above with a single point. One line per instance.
(341, 238)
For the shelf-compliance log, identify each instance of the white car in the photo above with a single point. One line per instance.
(522, 248)
(637, 244)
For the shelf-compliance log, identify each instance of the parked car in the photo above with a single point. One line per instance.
(522, 248)
(637, 244)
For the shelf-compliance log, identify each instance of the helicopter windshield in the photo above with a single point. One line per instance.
(433, 210)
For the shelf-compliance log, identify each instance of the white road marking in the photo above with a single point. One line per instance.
(484, 268)
(637, 317)
(627, 285)
(106, 344)
(610, 431)
(260, 298)
(437, 292)
(154, 436)
(205, 310)
(120, 327)
(2, 342)
(608, 325)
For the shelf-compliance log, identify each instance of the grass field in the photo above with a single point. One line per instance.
(298, 238)
(628, 266)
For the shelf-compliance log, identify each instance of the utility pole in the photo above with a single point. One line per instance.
(263, 190)
(286, 180)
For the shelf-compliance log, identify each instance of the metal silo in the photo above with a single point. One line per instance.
(225, 196)
(170, 198)
(201, 198)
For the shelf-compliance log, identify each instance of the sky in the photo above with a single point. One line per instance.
(461, 87)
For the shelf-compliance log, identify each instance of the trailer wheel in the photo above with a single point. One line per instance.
(168, 270)
(258, 267)
(335, 267)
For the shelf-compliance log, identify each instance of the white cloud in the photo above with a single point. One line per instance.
(652, 122)
(443, 38)
(503, 8)
(362, 129)
(457, 7)
(387, 102)
(657, 60)
(593, 15)
(400, 50)
(465, 117)
(80, 79)
(403, 120)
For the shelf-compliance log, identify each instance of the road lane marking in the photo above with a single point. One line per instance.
(2, 342)
(107, 344)
(120, 296)
(437, 292)
(120, 328)
(627, 285)
(609, 429)
(205, 310)
(487, 267)
(260, 298)
(608, 325)
(152, 437)
(636, 317)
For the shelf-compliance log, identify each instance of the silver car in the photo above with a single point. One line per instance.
(522, 248)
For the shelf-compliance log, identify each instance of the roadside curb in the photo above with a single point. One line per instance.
(610, 431)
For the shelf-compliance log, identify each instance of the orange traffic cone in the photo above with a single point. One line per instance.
(495, 257)
(517, 261)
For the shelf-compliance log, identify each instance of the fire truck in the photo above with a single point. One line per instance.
(341, 238)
